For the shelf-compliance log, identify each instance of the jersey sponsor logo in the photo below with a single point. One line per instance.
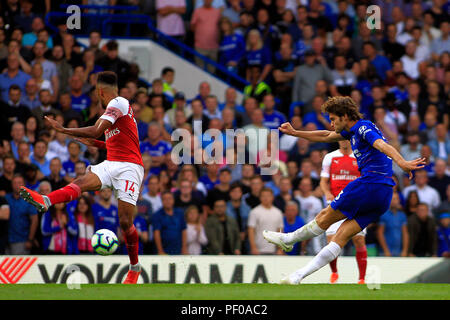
(13, 269)
(345, 177)
(336, 161)
(111, 133)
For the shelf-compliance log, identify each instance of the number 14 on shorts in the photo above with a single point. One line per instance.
(129, 186)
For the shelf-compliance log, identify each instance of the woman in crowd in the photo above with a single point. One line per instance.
(85, 220)
(196, 236)
(59, 231)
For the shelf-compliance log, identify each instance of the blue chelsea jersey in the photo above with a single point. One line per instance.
(374, 165)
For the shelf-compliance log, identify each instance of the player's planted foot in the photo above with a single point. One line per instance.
(293, 278)
(40, 202)
(133, 274)
(361, 281)
(275, 238)
(334, 277)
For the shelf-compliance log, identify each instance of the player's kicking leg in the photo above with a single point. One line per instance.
(87, 182)
(314, 228)
(346, 231)
(126, 215)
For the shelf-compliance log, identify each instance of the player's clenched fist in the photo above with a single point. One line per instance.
(287, 128)
(54, 124)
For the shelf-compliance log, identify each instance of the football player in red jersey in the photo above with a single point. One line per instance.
(122, 170)
(339, 168)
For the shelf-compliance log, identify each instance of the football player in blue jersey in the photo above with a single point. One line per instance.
(363, 200)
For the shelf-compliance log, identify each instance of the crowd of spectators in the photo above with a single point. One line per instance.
(295, 56)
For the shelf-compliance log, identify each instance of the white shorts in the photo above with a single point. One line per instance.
(125, 178)
(335, 226)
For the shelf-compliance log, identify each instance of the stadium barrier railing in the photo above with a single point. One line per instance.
(104, 23)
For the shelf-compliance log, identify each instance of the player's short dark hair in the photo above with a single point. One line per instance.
(107, 77)
(342, 106)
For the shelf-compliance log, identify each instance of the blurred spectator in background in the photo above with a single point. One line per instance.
(426, 194)
(292, 221)
(185, 196)
(205, 25)
(440, 147)
(422, 233)
(306, 78)
(74, 149)
(239, 210)
(112, 62)
(30, 97)
(440, 178)
(39, 157)
(31, 130)
(45, 107)
(105, 213)
(13, 110)
(222, 231)
(195, 232)
(444, 235)
(23, 221)
(392, 232)
(264, 217)
(59, 230)
(170, 17)
(49, 68)
(257, 55)
(156, 147)
(169, 227)
(153, 194)
(411, 203)
(310, 207)
(232, 46)
(12, 75)
(257, 88)
(4, 220)
(55, 178)
(86, 224)
(9, 166)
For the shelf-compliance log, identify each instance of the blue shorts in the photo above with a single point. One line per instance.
(363, 201)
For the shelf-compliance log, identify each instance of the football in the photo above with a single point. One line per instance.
(104, 242)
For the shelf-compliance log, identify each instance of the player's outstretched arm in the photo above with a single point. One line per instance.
(93, 132)
(390, 151)
(314, 136)
(92, 142)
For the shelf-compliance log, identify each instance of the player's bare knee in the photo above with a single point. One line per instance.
(125, 222)
(323, 218)
(359, 241)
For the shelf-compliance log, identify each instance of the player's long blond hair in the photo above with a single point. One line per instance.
(342, 106)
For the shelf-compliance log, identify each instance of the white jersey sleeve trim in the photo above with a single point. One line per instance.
(117, 107)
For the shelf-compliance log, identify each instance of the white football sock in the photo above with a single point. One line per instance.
(325, 256)
(308, 231)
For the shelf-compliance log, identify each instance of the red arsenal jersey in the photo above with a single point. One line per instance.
(122, 140)
(340, 169)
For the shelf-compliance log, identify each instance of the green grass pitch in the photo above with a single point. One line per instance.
(225, 292)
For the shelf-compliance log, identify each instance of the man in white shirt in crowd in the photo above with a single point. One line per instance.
(310, 207)
(264, 217)
(426, 194)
